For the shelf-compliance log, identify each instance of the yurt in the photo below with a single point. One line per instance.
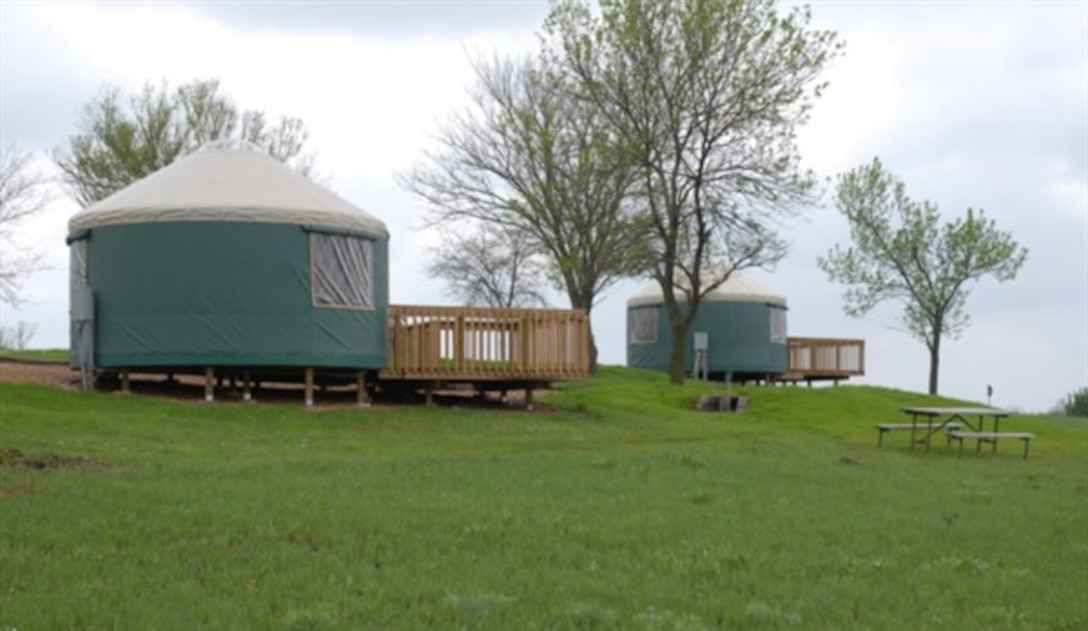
(740, 328)
(227, 258)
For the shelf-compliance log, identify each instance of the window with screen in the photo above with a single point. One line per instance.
(341, 271)
(77, 266)
(642, 325)
(778, 324)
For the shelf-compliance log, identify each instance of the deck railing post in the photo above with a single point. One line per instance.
(459, 343)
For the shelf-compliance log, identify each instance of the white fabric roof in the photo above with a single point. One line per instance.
(226, 184)
(738, 288)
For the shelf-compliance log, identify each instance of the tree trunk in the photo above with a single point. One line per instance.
(591, 340)
(934, 363)
(580, 301)
(676, 355)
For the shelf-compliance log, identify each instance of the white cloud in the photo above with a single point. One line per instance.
(1068, 191)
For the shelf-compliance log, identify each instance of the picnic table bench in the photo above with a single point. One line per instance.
(929, 428)
(990, 437)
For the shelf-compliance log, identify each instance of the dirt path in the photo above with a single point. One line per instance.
(46, 373)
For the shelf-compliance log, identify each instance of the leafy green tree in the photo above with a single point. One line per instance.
(531, 161)
(902, 252)
(23, 194)
(703, 97)
(124, 138)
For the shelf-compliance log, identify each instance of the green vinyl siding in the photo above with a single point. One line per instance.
(223, 293)
(739, 335)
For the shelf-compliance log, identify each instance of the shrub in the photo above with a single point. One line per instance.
(1076, 403)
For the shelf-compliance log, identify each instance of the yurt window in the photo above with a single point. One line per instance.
(77, 266)
(778, 324)
(642, 325)
(341, 271)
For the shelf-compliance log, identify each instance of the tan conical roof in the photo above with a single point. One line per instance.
(737, 288)
(227, 184)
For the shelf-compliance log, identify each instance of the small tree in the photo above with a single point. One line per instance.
(489, 268)
(704, 97)
(901, 252)
(23, 194)
(18, 336)
(123, 139)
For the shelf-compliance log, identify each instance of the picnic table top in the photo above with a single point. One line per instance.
(954, 411)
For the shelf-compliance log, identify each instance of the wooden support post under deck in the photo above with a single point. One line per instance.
(247, 394)
(125, 382)
(428, 394)
(309, 387)
(209, 384)
(529, 399)
(360, 390)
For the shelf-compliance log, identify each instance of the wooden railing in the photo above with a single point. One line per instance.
(824, 358)
(470, 343)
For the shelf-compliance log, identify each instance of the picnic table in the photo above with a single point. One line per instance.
(927, 421)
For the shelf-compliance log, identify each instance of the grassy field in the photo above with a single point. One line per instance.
(46, 355)
(618, 508)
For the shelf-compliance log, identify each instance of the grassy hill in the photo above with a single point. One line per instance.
(617, 507)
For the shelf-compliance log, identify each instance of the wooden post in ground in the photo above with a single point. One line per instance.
(309, 387)
(247, 394)
(529, 399)
(209, 384)
(124, 382)
(360, 390)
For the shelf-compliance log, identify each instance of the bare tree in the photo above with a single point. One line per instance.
(23, 193)
(705, 96)
(900, 252)
(526, 158)
(124, 139)
(493, 268)
(17, 337)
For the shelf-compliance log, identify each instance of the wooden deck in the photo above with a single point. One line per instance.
(822, 359)
(473, 344)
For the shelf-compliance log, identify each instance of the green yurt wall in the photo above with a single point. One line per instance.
(744, 323)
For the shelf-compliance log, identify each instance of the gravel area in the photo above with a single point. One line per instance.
(47, 373)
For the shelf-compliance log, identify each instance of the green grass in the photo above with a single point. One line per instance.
(46, 355)
(620, 508)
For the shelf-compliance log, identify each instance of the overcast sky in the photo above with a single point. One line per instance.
(980, 104)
